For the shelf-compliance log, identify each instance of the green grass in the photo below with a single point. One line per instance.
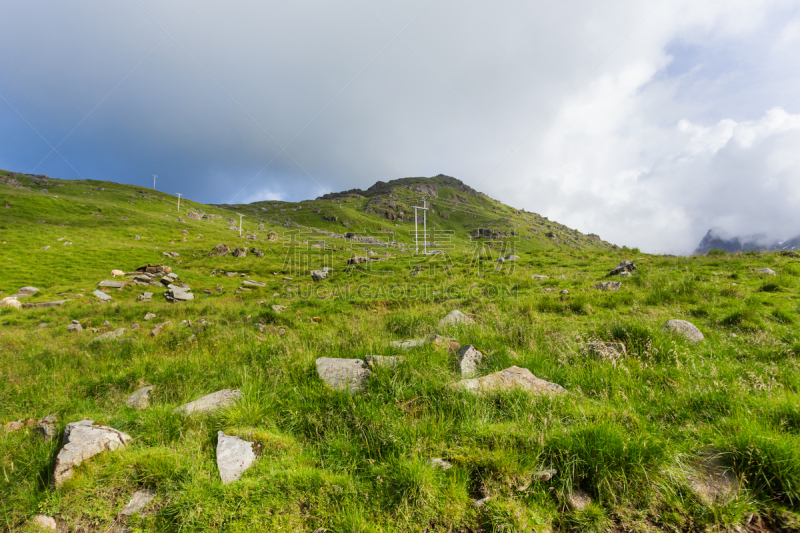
(331, 461)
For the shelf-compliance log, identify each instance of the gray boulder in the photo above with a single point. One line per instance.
(234, 456)
(468, 360)
(211, 402)
(256, 252)
(150, 316)
(82, 441)
(510, 378)
(511, 257)
(220, 250)
(455, 317)
(102, 296)
(539, 277)
(75, 328)
(712, 480)
(767, 271)
(251, 283)
(578, 500)
(27, 291)
(140, 399)
(240, 252)
(608, 286)
(343, 374)
(138, 502)
(111, 284)
(318, 275)
(685, 329)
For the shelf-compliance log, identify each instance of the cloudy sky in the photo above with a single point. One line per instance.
(645, 121)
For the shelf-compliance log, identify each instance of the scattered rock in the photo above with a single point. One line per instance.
(27, 291)
(157, 330)
(46, 427)
(149, 316)
(234, 456)
(539, 277)
(358, 260)
(220, 250)
(18, 424)
(138, 502)
(343, 374)
(468, 360)
(608, 286)
(140, 399)
(407, 345)
(240, 252)
(75, 328)
(110, 335)
(387, 361)
(624, 266)
(44, 522)
(565, 291)
(318, 275)
(455, 317)
(256, 252)
(510, 378)
(251, 283)
(440, 464)
(102, 296)
(684, 329)
(278, 308)
(511, 257)
(193, 215)
(145, 297)
(605, 350)
(578, 500)
(56, 303)
(211, 402)
(767, 271)
(83, 440)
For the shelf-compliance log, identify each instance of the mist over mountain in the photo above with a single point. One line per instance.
(717, 239)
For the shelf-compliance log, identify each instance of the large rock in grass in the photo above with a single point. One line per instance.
(455, 317)
(103, 297)
(211, 402)
(468, 360)
(712, 480)
(624, 266)
(220, 250)
(508, 379)
(111, 284)
(234, 456)
(318, 275)
(110, 335)
(385, 361)
(47, 427)
(343, 374)
(685, 329)
(82, 441)
(240, 252)
(44, 523)
(767, 271)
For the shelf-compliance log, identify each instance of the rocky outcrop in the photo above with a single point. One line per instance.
(510, 378)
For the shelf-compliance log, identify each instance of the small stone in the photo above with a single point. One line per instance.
(18, 424)
(578, 500)
(468, 360)
(685, 329)
(624, 266)
(605, 350)
(111, 284)
(211, 402)
(83, 440)
(240, 252)
(713, 481)
(278, 308)
(386, 361)
(138, 502)
(767, 271)
(510, 378)
(106, 324)
(539, 277)
(102, 296)
(75, 328)
(565, 291)
(440, 464)
(455, 317)
(46, 427)
(150, 316)
(27, 291)
(140, 399)
(343, 374)
(251, 283)
(116, 334)
(220, 250)
(234, 457)
(44, 522)
(135, 326)
(318, 275)
(157, 330)
(608, 286)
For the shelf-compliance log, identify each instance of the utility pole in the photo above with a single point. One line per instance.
(179, 201)
(425, 225)
(240, 225)
(416, 231)
(154, 181)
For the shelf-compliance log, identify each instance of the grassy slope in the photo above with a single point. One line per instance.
(626, 432)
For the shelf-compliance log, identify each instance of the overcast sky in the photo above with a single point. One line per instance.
(644, 121)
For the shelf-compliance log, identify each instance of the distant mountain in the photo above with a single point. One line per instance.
(716, 240)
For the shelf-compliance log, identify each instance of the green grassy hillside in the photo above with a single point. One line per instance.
(632, 434)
